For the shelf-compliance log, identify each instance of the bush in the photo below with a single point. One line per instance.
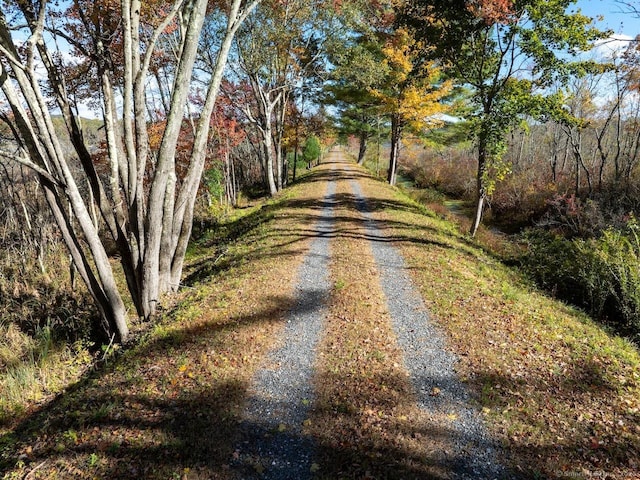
(300, 165)
(551, 260)
(451, 171)
(617, 261)
(574, 217)
(520, 201)
(599, 274)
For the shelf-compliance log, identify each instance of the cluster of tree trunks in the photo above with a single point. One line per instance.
(146, 210)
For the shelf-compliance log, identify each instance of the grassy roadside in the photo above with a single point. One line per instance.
(43, 324)
(167, 407)
(560, 393)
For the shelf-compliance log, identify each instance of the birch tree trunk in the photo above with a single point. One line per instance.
(183, 217)
(266, 102)
(44, 154)
(270, 158)
(145, 209)
(480, 183)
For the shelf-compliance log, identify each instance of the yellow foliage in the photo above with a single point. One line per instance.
(398, 55)
(412, 91)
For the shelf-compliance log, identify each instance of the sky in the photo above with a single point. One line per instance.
(613, 16)
(608, 14)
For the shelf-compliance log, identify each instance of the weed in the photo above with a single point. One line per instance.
(601, 275)
(70, 436)
(378, 355)
(102, 411)
(44, 328)
(509, 292)
(93, 460)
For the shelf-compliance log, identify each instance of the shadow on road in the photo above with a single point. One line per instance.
(169, 406)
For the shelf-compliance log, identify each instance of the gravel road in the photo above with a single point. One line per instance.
(273, 446)
(429, 363)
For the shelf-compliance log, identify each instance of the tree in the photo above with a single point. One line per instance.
(581, 109)
(358, 68)
(146, 209)
(411, 93)
(357, 71)
(627, 113)
(507, 52)
(227, 134)
(278, 48)
(312, 149)
(303, 120)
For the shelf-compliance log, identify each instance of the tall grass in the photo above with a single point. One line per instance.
(34, 366)
(44, 327)
(600, 274)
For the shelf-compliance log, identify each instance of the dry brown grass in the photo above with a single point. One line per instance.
(44, 328)
(168, 407)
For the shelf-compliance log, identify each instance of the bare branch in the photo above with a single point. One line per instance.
(22, 158)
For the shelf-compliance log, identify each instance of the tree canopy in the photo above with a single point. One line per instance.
(509, 53)
(173, 107)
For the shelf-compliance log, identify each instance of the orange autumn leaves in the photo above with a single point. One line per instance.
(492, 11)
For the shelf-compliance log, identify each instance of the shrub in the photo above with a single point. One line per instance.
(300, 165)
(600, 274)
(551, 260)
(573, 217)
(521, 200)
(312, 149)
(618, 262)
(450, 170)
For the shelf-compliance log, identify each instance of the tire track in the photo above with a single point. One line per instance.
(473, 453)
(272, 444)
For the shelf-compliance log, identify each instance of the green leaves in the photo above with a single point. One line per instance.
(358, 69)
(312, 149)
(510, 55)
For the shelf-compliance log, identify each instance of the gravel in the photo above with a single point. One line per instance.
(473, 453)
(272, 444)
